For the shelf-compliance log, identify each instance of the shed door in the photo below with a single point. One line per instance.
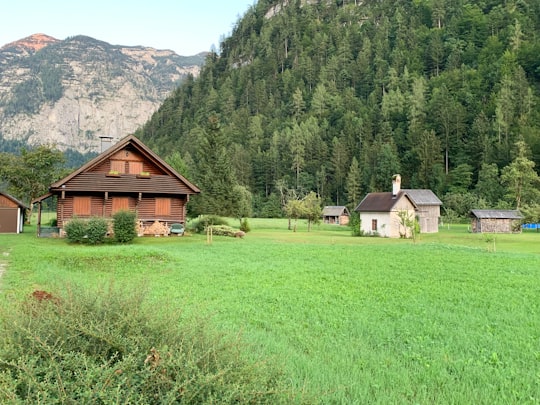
(8, 220)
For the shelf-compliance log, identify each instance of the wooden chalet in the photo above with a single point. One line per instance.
(12, 214)
(428, 209)
(336, 214)
(127, 176)
(495, 221)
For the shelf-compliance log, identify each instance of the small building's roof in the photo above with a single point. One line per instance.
(496, 214)
(423, 196)
(14, 200)
(381, 202)
(335, 210)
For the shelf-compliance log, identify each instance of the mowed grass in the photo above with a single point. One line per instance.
(451, 319)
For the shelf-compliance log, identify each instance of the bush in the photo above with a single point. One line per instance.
(200, 224)
(244, 225)
(355, 224)
(96, 230)
(107, 346)
(224, 230)
(124, 226)
(75, 230)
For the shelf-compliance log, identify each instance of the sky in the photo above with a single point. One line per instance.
(185, 26)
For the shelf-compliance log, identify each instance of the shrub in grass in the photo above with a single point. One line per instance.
(224, 230)
(75, 230)
(355, 223)
(244, 225)
(200, 224)
(124, 226)
(96, 230)
(107, 346)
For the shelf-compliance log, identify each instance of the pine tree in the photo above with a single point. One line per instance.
(216, 176)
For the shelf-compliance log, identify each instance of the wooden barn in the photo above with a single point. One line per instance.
(127, 176)
(379, 212)
(12, 214)
(495, 221)
(428, 209)
(336, 214)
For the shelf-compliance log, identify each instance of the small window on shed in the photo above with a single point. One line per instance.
(82, 206)
(163, 206)
(373, 224)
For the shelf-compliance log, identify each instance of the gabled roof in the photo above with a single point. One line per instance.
(423, 197)
(335, 211)
(381, 202)
(142, 148)
(496, 214)
(83, 179)
(14, 200)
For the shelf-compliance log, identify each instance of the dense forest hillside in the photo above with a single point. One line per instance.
(337, 96)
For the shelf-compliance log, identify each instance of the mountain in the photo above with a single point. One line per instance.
(338, 96)
(69, 92)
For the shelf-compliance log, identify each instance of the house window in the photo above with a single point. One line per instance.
(135, 167)
(82, 206)
(118, 166)
(120, 204)
(163, 206)
(373, 224)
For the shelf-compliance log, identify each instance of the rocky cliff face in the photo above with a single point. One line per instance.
(70, 92)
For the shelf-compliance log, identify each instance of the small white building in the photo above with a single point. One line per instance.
(380, 212)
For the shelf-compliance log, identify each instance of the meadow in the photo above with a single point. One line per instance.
(452, 318)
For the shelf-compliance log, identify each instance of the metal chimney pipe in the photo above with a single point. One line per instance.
(106, 142)
(396, 184)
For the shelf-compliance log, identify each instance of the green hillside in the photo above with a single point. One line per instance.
(336, 97)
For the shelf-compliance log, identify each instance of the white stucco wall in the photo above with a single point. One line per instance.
(388, 223)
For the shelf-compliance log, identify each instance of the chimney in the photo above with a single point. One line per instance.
(396, 184)
(106, 142)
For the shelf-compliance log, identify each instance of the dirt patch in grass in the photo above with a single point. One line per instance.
(3, 264)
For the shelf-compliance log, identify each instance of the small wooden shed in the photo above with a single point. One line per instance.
(12, 213)
(428, 209)
(336, 214)
(495, 221)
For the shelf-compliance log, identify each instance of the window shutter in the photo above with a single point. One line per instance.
(82, 206)
(120, 204)
(163, 206)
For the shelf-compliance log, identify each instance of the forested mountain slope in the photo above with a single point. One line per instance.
(337, 96)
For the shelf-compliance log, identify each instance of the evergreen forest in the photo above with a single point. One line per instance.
(335, 97)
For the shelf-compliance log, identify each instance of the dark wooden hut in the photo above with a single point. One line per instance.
(336, 214)
(495, 221)
(12, 213)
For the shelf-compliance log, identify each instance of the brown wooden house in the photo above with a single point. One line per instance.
(127, 176)
(495, 221)
(12, 213)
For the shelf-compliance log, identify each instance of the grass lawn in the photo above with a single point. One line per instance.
(451, 319)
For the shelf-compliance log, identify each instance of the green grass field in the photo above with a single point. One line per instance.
(451, 319)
